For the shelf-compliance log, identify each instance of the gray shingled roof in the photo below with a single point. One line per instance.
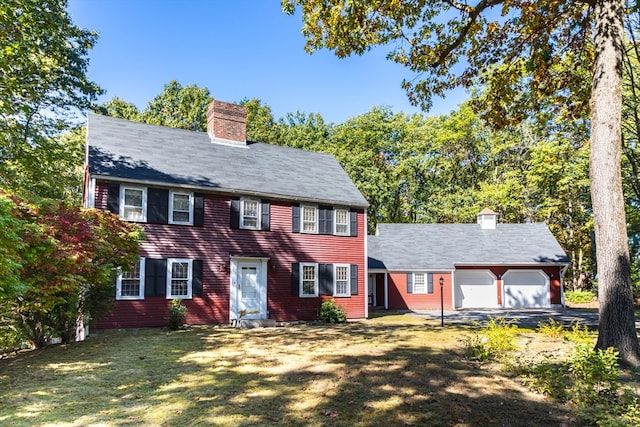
(129, 151)
(407, 247)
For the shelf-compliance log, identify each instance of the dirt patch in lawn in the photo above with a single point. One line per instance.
(395, 371)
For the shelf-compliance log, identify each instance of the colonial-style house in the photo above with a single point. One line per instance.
(483, 265)
(236, 229)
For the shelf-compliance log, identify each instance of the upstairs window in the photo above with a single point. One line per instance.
(133, 203)
(180, 208)
(342, 222)
(130, 284)
(309, 219)
(250, 214)
(324, 220)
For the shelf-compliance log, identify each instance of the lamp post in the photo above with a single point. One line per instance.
(441, 301)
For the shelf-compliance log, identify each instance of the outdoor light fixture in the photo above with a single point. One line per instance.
(441, 301)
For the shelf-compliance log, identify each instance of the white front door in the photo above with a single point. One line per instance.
(248, 289)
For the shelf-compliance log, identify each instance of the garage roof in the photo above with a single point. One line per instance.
(413, 247)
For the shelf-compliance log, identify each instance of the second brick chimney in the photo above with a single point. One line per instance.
(227, 123)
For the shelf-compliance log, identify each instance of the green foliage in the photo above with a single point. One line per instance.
(120, 109)
(43, 63)
(579, 297)
(593, 375)
(551, 328)
(331, 313)
(548, 377)
(177, 314)
(579, 334)
(179, 107)
(492, 342)
(68, 258)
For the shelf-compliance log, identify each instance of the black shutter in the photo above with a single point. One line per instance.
(353, 223)
(354, 279)
(295, 278)
(265, 221)
(155, 277)
(113, 198)
(430, 283)
(235, 213)
(295, 218)
(409, 283)
(325, 220)
(198, 209)
(196, 282)
(157, 205)
(325, 278)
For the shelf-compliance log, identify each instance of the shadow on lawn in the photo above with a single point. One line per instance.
(355, 374)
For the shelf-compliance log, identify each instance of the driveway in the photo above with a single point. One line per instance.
(529, 317)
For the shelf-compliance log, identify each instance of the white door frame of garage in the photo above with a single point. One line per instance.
(513, 272)
(494, 286)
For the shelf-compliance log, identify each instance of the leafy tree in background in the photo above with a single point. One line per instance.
(179, 107)
(261, 125)
(120, 109)
(43, 63)
(453, 44)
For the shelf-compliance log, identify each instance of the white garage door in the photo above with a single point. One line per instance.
(475, 289)
(526, 289)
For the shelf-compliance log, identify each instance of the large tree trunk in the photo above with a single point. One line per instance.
(617, 322)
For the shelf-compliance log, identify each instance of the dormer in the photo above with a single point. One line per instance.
(487, 219)
(227, 123)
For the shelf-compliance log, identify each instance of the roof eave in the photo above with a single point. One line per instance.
(231, 191)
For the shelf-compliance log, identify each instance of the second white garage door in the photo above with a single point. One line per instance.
(475, 289)
(526, 289)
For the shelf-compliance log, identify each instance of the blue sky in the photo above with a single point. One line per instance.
(237, 49)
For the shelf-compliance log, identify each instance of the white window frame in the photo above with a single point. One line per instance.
(316, 279)
(346, 224)
(259, 214)
(302, 221)
(140, 295)
(191, 204)
(123, 189)
(347, 280)
(170, 263)
(425, 277)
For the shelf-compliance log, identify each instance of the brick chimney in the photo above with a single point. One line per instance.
(227, 123)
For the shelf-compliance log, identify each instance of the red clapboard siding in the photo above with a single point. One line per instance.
(400, 299)
(216, 242)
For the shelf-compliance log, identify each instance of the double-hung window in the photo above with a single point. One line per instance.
(179, 278)
(250, 214)
(180, 208)
(130, 284)
(341, 222)
(342, 282)
(133, 203)
(308, 280)
(422, 283)
(309, 219)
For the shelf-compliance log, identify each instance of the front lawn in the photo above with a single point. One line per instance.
(389, 371)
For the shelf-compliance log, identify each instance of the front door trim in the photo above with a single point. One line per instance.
(235, 311)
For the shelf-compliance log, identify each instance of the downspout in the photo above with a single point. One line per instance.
(365, 294)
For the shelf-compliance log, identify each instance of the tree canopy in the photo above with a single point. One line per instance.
(518, 53)
(43, 63)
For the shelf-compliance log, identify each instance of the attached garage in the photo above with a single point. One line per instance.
(475, 289)
(526, 289)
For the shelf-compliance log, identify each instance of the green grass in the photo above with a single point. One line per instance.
(395, 371)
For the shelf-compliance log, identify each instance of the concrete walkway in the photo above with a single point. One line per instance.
(528, 317)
